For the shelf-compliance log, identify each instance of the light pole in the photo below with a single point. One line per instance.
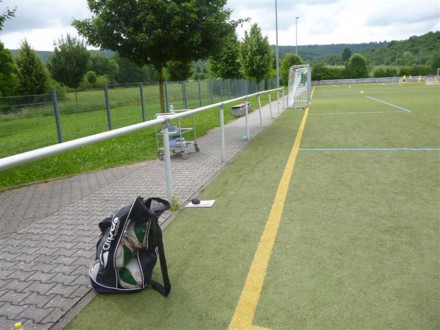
(276, 47)
(296, 32)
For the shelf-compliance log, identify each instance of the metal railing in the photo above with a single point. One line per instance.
(19, 159)
(36, 121)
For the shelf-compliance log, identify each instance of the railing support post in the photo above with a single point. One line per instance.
(270, 106)
(278, 101)
(248, 136)
(259, 110)
(167, 159)
(222, 132)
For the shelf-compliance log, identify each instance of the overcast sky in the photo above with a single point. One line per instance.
(43, 22)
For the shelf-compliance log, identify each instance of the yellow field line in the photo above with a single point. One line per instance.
(245, 310)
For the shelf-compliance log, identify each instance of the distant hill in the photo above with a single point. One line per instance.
(414, 50)
(312, 53)
(45, 54)
(417, 50)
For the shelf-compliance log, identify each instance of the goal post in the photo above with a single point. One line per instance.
(300, 82)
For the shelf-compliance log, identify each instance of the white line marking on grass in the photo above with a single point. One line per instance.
(390, 104)
(353, 113)
(401, 109)
(370, 149)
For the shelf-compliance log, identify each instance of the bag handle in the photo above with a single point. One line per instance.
(161, 205)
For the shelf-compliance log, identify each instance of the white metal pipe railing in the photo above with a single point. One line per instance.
(26, 157)
(29, 156)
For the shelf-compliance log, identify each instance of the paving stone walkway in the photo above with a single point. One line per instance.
(49, 230)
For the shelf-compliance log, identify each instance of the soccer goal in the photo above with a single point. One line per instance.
(300, 83)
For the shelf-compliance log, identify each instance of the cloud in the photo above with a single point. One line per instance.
(341, 21)
(405, 12)
(38, 39)
(42, 14)
(42, 22)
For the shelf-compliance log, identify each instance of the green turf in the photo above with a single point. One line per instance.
(358, 242)
(208, 250)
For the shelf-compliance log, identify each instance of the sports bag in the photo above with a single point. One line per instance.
(128, 247)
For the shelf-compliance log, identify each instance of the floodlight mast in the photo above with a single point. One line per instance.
(296, 32)
(276, 47)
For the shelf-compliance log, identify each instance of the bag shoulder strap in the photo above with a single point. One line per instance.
(166, 287)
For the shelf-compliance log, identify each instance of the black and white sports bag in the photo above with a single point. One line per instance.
(127, 250)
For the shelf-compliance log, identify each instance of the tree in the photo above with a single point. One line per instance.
(178, 71)
(287, 61)
(435, 63)
(129, 72)
(8, 72)
(32, 75)
(90, 78)
(103, 66)
(357, 66)
(321, 71)
(346, 54)
(226, 64)
(69, 62)
(256, 55)
(6, 15)
(156, 31)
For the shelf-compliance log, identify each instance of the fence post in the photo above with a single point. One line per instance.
(185, 95)
(165, 87)
(141, 86)
(107, 106)
(200, 93)
(211, 89)
(57, 115)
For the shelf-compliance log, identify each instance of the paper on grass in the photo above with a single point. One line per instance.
(206, 203)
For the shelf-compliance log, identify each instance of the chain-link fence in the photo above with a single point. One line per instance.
(35, 121)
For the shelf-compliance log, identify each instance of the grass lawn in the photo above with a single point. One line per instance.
(27, 132)
(357, 247)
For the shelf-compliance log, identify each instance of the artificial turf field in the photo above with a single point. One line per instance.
(356, 241)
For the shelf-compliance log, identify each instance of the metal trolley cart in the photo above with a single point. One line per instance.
(178, 143)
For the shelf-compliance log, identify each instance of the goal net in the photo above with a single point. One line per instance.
(299, 86)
